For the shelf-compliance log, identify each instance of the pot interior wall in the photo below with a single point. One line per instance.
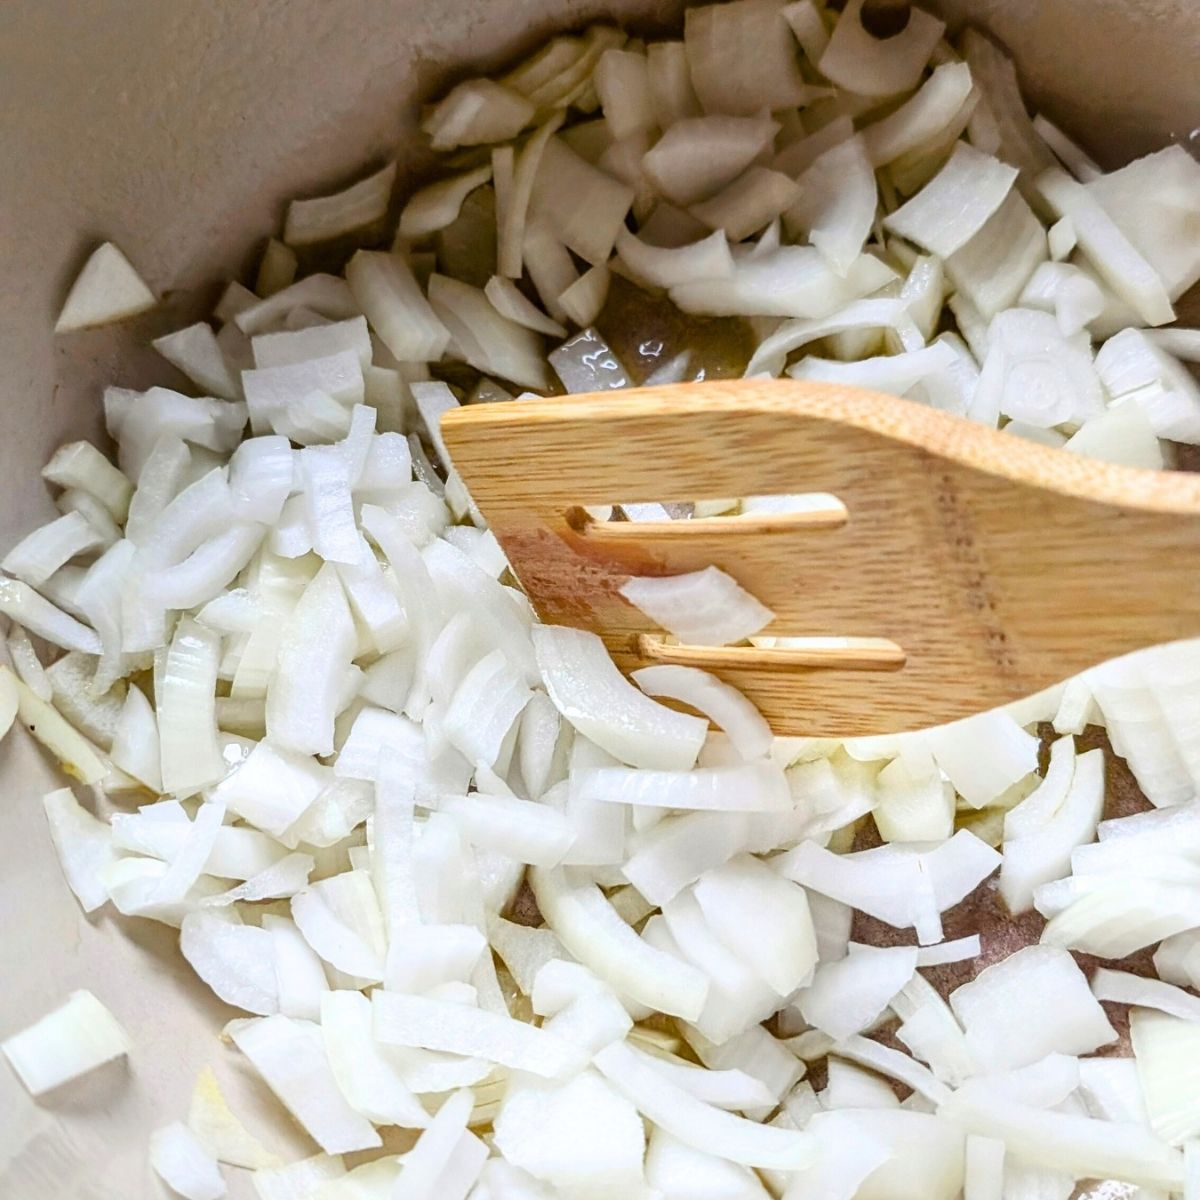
(178, 130)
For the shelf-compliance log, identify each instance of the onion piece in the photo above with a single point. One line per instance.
(592, 695)
(384, 287)
(183, 1163)
(583, 206)
(956, 203)
(75, 754)
(327, 217)
(512, 231)
(341, 920)
(220, 1132)
(447, 1159)
(297, 1180)
(23, 605)
(848, 996)
(757, 786)
(80, 465)
(39, 554)
(983, 755)
(530, 833)
(740, 58)
(369, 1080)
(703, 608)
(1077, 1145)
(867, 66)
(592, 931)
(584, 300)
(196, 352)
(187, 724)
(837, 204)
(792, 281)
(107, 289)
(1007, 1025)
(698, 1124)
(1166, 1048)
(669, 267)
(478, 112)
(510, 302)
(892, 1063)
(83, 843)
(1045, 853)
(1124, 269)
(432, 1024)
(724, 705)
(622, 83)
(1122, 987)
(290, 1057)
(670, 81)
(582, 1137)
(698, 156)
(488, 341)
(438, 205)
(931, 111)
(70, 1040)
(1122, 917)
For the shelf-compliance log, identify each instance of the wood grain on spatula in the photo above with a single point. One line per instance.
(970, 568)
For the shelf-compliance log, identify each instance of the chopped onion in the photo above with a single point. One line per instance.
(837, 204)
(389, 296)
(740, 58)
(290, 1057)
(592, 695)
(1121, 987)
(327, 217)
(1008, 1025)
(862, 64)
(20, 602)
(478, 112)
(510, 302)
(745, 787)
(704, 608)
(698, 1124)
(107, 289)
(592, 931)
(848, 996)
(698, 156)
(78, 1036)
(182, 1162)
(83, 843)
(220, 1132)
(1166, 1048)
(438, 205)
(984, 755)
(341, 920)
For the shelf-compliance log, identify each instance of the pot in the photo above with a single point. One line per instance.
(178, 130)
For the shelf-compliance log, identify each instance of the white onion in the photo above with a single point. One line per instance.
(1166, 1048)
(848, 996)
(698, 156)
(70, 1040)
(180, 1161)
(857, 61)
(327, 217)
(290, 1057)
(107, 289)
(340, 918)
(698, 1124)
(219, 1131)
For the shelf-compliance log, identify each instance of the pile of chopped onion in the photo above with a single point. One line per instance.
(582, 936)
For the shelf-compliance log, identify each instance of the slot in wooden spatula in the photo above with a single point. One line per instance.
(965, 569)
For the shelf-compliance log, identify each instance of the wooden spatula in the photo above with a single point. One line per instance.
(969, 568)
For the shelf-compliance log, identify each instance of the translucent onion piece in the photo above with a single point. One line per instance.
(181, 1162)
(75, 754)
(290, 1057)
(81, 465)
(703, 608)
(327, 217)
(744, 787)
(187, 722)
(220, 1132)
(724, 705)
(1108, 249)
(326, 295)
(107, 289)
(698, 1124)
(83, 843)
(592, 931)
(1167, 1049)
(78, 1036)
(432, 1024)
(741, 59)
(478, 112)
(438, 205)
(23, 605)
(389, 295)
(863, 64)
(593, 696)
(39, 554)
(1008, 1026)
(488, 341)
(509, 301)
(582, 1136)
(837, 204)
(698, 156)
(583, 206)
(196, 352)
(920, 119)
(670, 81)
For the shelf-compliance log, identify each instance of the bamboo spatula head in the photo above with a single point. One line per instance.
(962, 568)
